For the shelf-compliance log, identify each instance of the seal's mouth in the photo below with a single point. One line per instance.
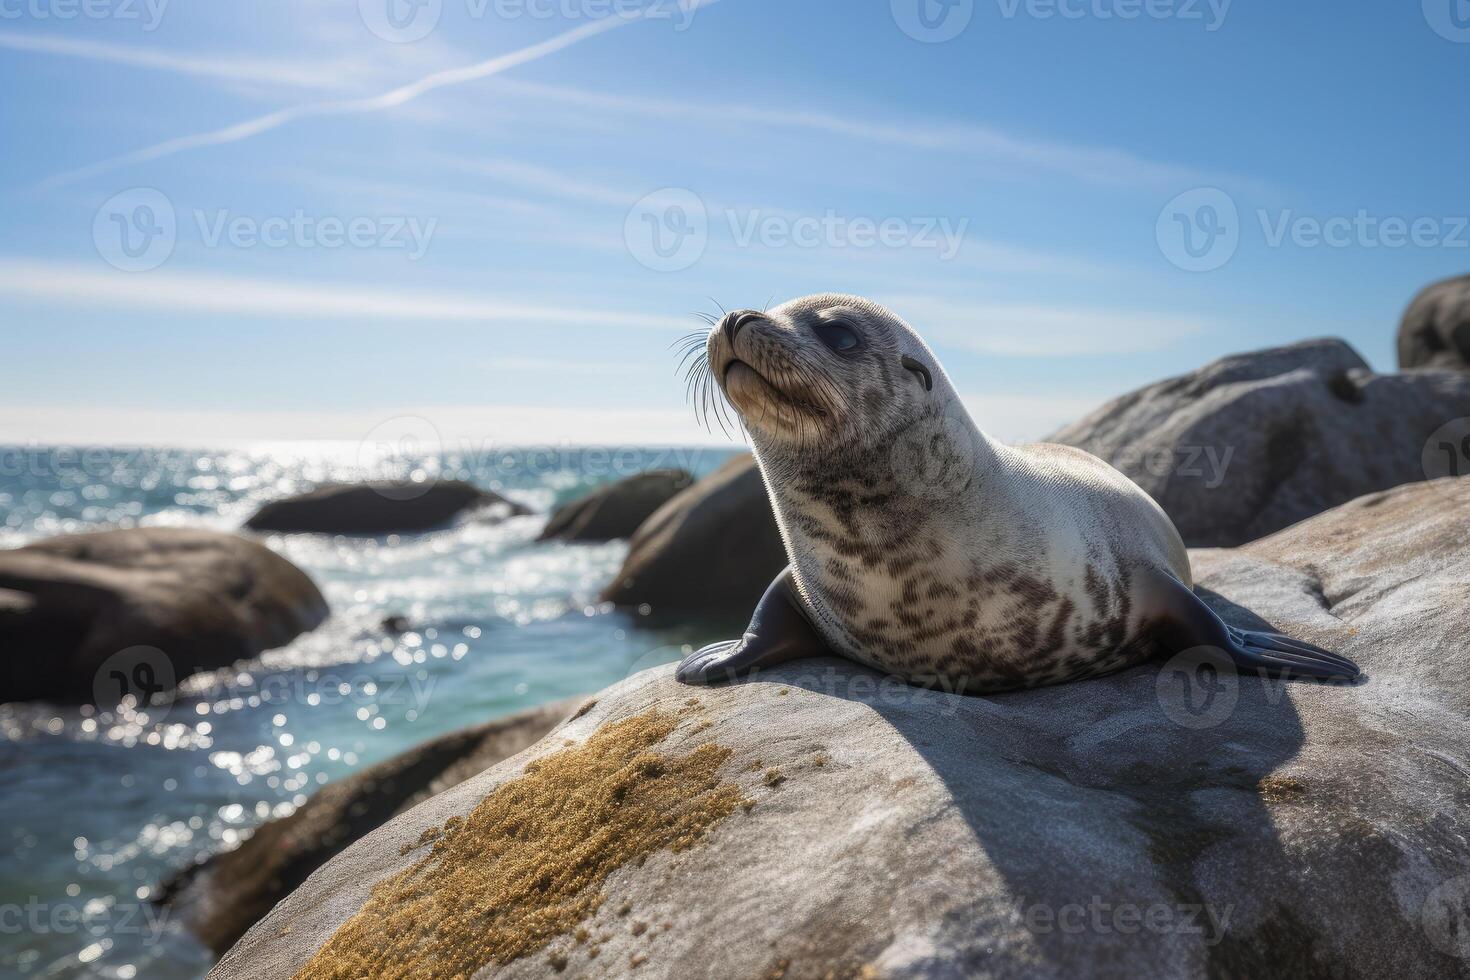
(741, 380)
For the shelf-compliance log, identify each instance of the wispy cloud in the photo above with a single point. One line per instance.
(387, 100)
(1036, 330)
(178, 292)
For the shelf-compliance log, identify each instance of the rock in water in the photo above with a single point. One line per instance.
(379, 508)
(1159, 823)
(1435, 331)
(713, 548)
(1255, 442)
(615, 511)
(225, 895)
(199, 599)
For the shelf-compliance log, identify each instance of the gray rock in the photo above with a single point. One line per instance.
(151, 605)
(1157, 823)
(616, 510)
(713, 548)
(1435, 331)
(225, 895)
(1253, 443)
(381, 507)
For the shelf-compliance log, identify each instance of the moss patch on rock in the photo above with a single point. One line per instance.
(527, 864)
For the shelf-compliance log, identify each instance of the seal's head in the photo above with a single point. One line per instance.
(824, 372)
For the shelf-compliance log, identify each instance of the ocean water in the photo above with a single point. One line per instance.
(97, 807)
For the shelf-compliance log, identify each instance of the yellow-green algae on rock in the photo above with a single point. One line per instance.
(526, 865)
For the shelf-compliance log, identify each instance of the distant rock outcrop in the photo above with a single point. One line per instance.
(379, 508)
(153, 605)
(224, 896)
(712, 548)
(1252, 443)
(822, 821)
(616, 510)
(1435, 332)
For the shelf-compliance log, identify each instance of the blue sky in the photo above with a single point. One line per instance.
(1020, 192)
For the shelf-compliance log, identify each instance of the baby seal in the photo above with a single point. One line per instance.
(923, 548)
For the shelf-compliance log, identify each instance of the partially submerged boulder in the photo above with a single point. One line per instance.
(382, 507)
(616, 510)
(1435, 332)
(713, 548)
(1252, 443)
(225, 895)
(109, 614)
(820, 820)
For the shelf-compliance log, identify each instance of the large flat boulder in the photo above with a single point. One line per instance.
(382, 507)
(1435, 331)
(712, 548)
(616, 510)
(822, 821)
(1252, 443)
(225, 895)
(109, 614)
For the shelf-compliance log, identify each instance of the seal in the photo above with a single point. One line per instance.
(923, 548)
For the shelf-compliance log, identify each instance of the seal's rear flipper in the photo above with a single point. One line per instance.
(1185, 622)
(778, 632)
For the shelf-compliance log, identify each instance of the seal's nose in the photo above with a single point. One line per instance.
(736, 321)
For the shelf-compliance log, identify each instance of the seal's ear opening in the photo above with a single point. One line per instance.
(919, 369)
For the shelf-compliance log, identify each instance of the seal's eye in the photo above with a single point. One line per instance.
(837, 335)
(919, 369)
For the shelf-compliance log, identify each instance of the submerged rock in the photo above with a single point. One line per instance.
(712, 548)
(1252, 443)
(1435, 331)
(105, 614)
(616, 510)
(225, 895)
(379, 508)
(820, 820)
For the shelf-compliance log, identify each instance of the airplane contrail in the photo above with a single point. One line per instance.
(387, 100)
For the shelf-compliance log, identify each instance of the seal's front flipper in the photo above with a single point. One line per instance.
(1185, 622)
(778, 632)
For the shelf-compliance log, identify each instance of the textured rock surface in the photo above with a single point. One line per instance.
(1157, 823)
(1250, 444)
(616, 510)
(712, 548)
(202, 599)
(227, 894)
(378, 508)
(1435, 331)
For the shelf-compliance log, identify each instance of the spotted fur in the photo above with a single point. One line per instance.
(918, 544)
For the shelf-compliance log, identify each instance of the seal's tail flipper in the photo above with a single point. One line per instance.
(1184, 622)
(778, 632)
